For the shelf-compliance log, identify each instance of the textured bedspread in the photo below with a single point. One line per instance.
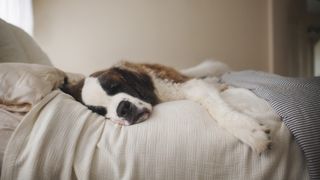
(8, 123)
(297, 101)
(61, 139)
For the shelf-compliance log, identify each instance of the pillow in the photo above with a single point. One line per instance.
(17, 46)
(23, 85)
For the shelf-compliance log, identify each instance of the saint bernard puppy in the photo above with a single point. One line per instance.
(126, 93)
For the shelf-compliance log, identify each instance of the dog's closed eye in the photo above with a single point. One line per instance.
(113, 87)
(110, 86)
(98, 109)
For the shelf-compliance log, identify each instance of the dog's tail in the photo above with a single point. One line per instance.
(207, 68)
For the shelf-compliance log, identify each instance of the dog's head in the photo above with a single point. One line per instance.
(121, 95)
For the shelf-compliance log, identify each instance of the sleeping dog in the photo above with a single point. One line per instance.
(126, 93)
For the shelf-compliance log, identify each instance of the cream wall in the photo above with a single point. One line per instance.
(317, 59)
(84, 36)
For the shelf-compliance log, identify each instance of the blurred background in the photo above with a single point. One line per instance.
(278, 36)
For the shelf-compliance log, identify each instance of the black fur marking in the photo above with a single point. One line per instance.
(98, 109)
(135, 84)
(74, 90)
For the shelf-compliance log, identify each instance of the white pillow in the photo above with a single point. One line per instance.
(23, 85)
(17, 46)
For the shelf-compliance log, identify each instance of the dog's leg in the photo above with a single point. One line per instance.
(248, 130)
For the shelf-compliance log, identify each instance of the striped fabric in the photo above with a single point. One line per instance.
(296, 100)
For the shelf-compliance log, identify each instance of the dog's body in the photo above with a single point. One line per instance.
(126, 93)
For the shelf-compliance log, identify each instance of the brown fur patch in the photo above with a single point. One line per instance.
(110, 73)
(133, 81)
(74, 90)
(160, 71)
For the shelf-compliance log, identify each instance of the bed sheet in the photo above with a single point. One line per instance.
(61, 139)
(8, 122)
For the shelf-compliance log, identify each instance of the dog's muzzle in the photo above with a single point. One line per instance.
(131, 113)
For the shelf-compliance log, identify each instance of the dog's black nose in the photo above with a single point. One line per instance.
(126, 109)
(131, 112)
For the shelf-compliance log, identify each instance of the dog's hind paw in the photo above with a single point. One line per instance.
(258, 138)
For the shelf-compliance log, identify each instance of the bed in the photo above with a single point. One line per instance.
(46, 134)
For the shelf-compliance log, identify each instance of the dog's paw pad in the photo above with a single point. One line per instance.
(264, 128)
(267, 131)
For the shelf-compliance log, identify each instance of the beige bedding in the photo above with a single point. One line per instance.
(23, 85)
(8, 123)
(62, 139)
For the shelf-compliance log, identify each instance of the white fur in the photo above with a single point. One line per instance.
(166, 90)
(93, 95)
(240, 119)
(206, 68)
(238, 123)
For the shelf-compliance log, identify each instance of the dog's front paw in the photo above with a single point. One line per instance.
(257, 137)
(261, 140)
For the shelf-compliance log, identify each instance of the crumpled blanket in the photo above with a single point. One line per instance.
(8, 123)
(61, 139)
(296, 100)
(23, 85)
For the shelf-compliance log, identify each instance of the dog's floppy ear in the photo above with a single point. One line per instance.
(141, 83)
(73, 89)
(146, 83)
